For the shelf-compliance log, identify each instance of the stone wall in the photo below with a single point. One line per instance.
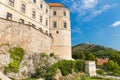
(27, 37)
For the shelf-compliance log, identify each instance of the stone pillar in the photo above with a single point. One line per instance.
(90, 68)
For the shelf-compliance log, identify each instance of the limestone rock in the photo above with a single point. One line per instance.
(4, 57)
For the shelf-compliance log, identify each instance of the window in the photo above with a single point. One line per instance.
(46, 22)
(33, 14)
(41, 6)
(9, 16)
(64, 13)
(46, 10)
(34, 1)
(55, 24)
(54, 13)
(23, 8)
(22, 21)
(40, 19)
(11, 3)
(65, 25)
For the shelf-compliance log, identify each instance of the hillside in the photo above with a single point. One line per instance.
(97, 50)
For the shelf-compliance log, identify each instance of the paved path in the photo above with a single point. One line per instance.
(108, 76)
(3, 77)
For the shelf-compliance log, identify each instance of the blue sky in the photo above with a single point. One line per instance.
(96, 21)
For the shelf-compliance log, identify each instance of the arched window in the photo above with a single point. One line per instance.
(65, 25)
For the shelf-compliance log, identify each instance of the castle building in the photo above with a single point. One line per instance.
(50, 18)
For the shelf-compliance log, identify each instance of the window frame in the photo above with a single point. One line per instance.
(54, 24)
(64, 13)
(46, 22)
(54, 13)
(41, 19)
(33, 14)
(9, 16)
(41, 5)
(23, 8)
(65, 24)
(11, 2)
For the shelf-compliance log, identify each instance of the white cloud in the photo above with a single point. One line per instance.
(86, 9)
(97, 12)
(116, 24)
(77, 30)
(80, 5)
(89, 3)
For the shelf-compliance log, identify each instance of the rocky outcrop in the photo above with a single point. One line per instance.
(28, 65)
(4, 56)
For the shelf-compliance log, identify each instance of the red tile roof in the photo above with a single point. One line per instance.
(55, 5)
(101, 61)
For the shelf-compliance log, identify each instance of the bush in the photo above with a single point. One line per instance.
(66, 67)
(78, 55)
(51, 72)
(16, 54)
(101, 72)
(79, 66)
(47, 72)
(51, 54)
(44, 55)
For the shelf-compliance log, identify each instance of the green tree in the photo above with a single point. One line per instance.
(90, 56)
(115, 57)
(78, 55)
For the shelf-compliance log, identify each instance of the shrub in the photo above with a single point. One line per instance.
(16, 54)
(47, 72)
(51, 54)
(101, 72)
(44, 55)
(66, 67)
(51, 72)
(41, 72)
(78, 55)
(79, 66)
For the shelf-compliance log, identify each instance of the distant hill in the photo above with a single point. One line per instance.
(97, 50)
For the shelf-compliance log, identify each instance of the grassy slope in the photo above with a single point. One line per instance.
(97, 50)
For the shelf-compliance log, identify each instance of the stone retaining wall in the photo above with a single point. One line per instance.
(27, 37)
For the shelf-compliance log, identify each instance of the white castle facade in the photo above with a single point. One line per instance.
(50, 18)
